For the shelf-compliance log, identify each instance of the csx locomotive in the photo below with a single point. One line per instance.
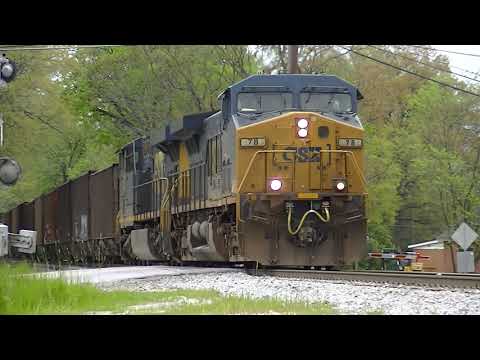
(274, 177)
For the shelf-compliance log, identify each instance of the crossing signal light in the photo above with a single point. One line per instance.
(9, 171)
(8, 70)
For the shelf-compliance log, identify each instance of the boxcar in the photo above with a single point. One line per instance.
(104, 203)
(80, 200)
(38, 217)
(26, 216)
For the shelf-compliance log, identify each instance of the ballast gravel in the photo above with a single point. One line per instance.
(347, 297)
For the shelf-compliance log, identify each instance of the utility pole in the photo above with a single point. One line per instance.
(293, 59)
(1, 130)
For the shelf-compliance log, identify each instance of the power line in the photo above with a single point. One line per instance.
(423, 63)
(452, 66)
(321, 51)
(464, 70)
(412, 73)
(21, 48)
(334, 57)
(446, 51)
(456, 67)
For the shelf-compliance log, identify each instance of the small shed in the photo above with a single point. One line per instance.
(442, 252)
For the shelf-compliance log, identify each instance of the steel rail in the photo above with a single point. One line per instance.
(443, 280)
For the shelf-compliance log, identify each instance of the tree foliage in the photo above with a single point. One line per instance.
(69, 111)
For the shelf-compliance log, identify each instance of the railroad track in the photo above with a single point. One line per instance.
(442, 280)
(427, 279)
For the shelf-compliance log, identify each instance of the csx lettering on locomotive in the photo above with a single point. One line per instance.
(304, 154)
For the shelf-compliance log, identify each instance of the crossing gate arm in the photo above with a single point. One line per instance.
(25, 241)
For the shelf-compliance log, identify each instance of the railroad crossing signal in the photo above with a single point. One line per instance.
(9, 171)
(8, 70)
(464, 236)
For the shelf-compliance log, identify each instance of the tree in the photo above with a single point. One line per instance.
(141, 87)
(69, 111)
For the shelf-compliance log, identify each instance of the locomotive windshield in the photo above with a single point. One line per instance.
(250, 102)
(326, 102)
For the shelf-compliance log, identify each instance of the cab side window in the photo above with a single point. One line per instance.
(214, 155)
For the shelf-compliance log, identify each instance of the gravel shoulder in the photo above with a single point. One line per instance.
(345, 297)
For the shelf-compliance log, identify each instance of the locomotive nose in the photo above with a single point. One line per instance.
(297, 153)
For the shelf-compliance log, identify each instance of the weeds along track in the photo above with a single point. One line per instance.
(440, 280)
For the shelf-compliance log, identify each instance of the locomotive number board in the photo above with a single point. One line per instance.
(252, 142)
(350, 143)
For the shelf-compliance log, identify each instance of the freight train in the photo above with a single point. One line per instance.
(276, 177)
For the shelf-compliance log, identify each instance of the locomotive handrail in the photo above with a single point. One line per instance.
(190, 168)
(250, 164)
(360, 173)
(151, 181)
(253, 159)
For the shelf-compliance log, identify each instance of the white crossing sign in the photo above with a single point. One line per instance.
(464, 236)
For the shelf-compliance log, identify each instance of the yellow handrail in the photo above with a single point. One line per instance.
(250, 164)
(253, 159)
(360, 173)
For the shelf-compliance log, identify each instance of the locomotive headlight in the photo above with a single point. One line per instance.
(276, 185)
(302, 132)
(340, 184)
(302, 127)
(302, 123)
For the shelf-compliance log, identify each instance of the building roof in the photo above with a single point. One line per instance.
(434, 244)
(438, 243)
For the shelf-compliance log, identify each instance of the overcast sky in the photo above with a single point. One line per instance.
(470, 63)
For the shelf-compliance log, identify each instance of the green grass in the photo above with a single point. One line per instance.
(20, 294)
(210, 302)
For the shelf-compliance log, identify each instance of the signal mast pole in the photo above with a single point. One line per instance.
(293, 59)
(9, 169)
